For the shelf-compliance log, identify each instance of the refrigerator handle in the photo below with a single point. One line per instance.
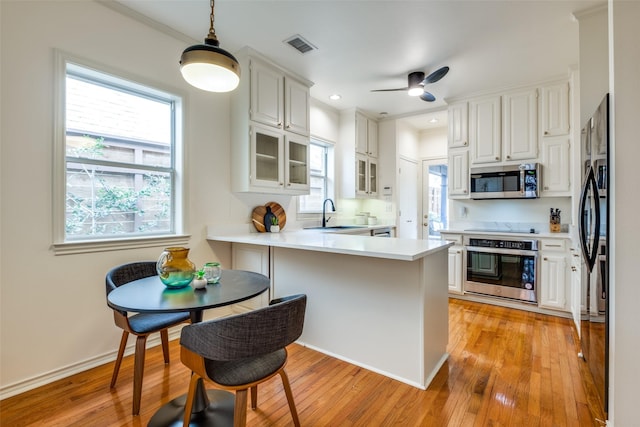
(596, 228)
(590, 253)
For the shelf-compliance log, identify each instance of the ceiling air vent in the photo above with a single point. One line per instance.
(300, 44)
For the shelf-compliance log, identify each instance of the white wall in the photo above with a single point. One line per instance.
(53, 314)
(433, 143)
(325, 121)
(625, 317)
(594, 76)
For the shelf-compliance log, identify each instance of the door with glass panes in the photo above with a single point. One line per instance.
(435, 205)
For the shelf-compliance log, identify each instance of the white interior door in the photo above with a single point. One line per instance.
(435, 200)
(408, 199)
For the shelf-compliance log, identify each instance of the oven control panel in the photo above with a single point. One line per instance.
(522, 245)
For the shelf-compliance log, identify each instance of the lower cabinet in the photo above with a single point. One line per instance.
(251, 258)
(554, 275)
(455, 269)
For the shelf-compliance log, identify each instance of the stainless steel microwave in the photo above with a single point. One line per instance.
(506, 182)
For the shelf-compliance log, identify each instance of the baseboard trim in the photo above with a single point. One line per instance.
(19, 387)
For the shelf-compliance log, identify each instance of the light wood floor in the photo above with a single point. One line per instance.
(506, 368)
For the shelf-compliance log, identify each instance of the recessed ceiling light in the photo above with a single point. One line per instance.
(335, 97)
(434, 120)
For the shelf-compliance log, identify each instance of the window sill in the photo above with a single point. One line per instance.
(81, 247)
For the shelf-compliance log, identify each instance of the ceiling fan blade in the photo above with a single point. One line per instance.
(427, 97)
(436, 75)
(390, 90)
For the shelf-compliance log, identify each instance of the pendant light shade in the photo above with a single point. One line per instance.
(208, 67)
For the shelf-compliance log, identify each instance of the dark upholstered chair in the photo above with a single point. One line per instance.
(140, 325)
(239, 352)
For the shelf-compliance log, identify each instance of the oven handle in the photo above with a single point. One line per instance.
(500, 251)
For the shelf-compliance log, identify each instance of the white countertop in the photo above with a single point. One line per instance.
(316, 240)
(507, 233)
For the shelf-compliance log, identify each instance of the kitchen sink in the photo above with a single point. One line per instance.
(336, 227)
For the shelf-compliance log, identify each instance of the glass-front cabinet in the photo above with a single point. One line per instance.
(297, 159)
(270, 117)
(366, 176)
(279, 160)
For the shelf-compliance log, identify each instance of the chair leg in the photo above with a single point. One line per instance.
(116, 367)
(240, 409)
(188, 405)
(164, 338)
(287, 390)
(254, 397)
(138, 371)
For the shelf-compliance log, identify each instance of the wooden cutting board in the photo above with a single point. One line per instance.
(257, 216)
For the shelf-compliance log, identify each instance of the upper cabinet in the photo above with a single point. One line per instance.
(520, 125)
(554, 109)
(366, 135)
(504, 128)
(358, 157)
(278, 100)
(484, 130)
(458, 125)
(530, 124)
(270, 129)
(296, 107)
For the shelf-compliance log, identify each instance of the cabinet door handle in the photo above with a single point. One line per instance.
(545, 259)
(279, 124)
(508, 157)
(497, 158)
(288, 126)
(426, 224)
(546, 132)
(465, 143)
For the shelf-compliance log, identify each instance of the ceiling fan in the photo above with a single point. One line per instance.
(416, 83)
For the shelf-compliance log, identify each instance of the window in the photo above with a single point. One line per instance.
(122, 159)
(321, 177)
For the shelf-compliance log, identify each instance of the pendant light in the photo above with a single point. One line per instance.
(208, 67)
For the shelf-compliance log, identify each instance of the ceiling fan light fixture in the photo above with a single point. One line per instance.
(209, 67)
(415, 83)
(416, 91)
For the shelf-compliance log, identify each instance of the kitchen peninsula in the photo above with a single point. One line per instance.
(379, 303)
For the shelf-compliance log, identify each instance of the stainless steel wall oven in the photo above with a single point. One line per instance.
(502, 267)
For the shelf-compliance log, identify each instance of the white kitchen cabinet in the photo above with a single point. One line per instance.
(455, 269)
(358, 155)
(366, 135)
(458, 165)
(520, 125)
(297, 107)
(279, 162)
(556, 166)
(504, 128)
(366, 176)
(253, 258)
(269, 129)
(555, 110)
(267, 94)
(458, 125)
(278, 100)
(554, 278)
(484, 130)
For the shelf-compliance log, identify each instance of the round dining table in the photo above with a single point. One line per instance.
(150, 295)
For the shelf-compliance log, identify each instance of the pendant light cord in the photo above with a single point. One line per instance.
(211, 37)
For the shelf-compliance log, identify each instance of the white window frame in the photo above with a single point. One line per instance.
(177, 236)
(329, 178)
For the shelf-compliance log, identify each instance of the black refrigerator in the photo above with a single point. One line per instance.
(594, 239)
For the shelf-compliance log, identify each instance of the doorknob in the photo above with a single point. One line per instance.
(426, 224)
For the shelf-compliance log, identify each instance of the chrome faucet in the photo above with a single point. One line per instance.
(324, 205)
